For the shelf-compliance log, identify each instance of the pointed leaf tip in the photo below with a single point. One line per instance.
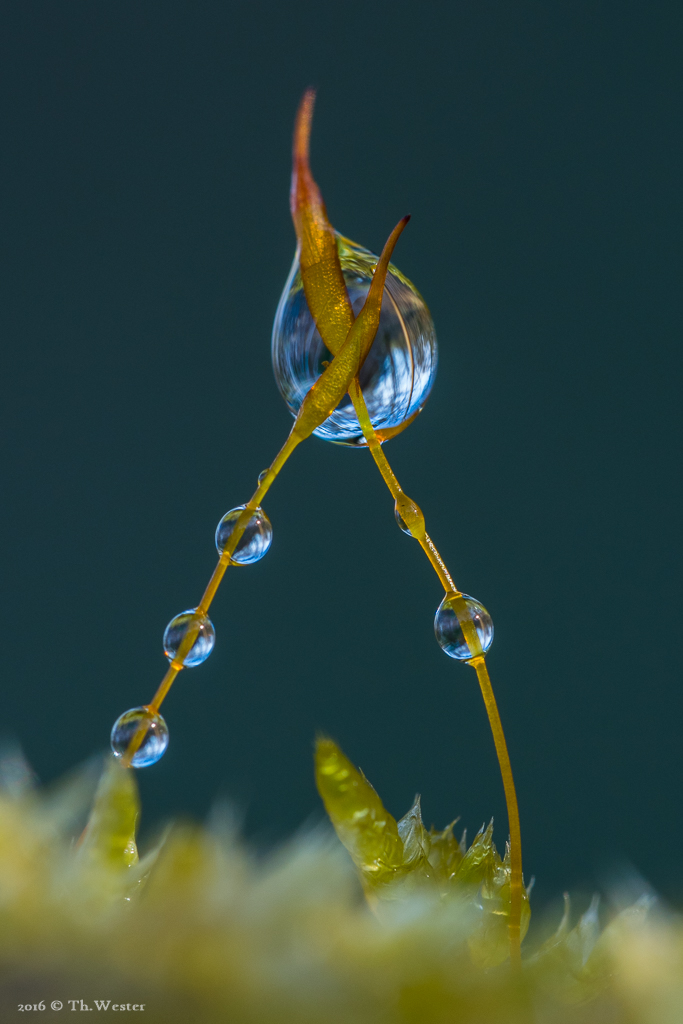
(363, 825)
(109, 836)
(302, 127)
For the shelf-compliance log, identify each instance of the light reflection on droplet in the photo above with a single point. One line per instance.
(399, 371)
(203, 643)
(254, 542)
(449, 632)
(154, 741)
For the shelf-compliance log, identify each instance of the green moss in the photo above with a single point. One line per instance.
(201, 932)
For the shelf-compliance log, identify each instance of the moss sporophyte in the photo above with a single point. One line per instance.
(317, 300)
(197, 930)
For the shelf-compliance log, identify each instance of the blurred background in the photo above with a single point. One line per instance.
(145, 241)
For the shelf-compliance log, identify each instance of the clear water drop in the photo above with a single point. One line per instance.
(262, 476)
(399, 371)
(399, 520)
(407, 514)
(449, 631)
(203, 643)
(254, 542)
(154, 741)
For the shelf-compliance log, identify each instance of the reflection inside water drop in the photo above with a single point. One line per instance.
(399, 371)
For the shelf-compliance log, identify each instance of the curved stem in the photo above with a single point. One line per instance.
(477, 662)
(349, 339)
(516, 883)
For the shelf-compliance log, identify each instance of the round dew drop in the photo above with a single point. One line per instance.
(203, 642)
(448, 629)
(399, 371)
(254, 542)
(154, 741)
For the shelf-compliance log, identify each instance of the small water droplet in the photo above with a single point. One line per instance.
(254, 542)
(449, 631)
(154, 741)
(203, 642)
(262, 476)
(399, 520)
(407, 514)
(399, 371)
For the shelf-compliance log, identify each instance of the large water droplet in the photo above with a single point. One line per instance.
(254, 542)
(399, 371)
(153, 739)
(204, 640)
(448, 625)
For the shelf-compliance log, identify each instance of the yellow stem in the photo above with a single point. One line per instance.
(349, 339)
(438, 564)
(477, 662)
(373, 442)
(479, 665)
(224, 561)
(328, 302)
(188, 640)
(164, 686)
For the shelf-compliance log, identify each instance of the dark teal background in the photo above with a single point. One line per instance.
(145, 237)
